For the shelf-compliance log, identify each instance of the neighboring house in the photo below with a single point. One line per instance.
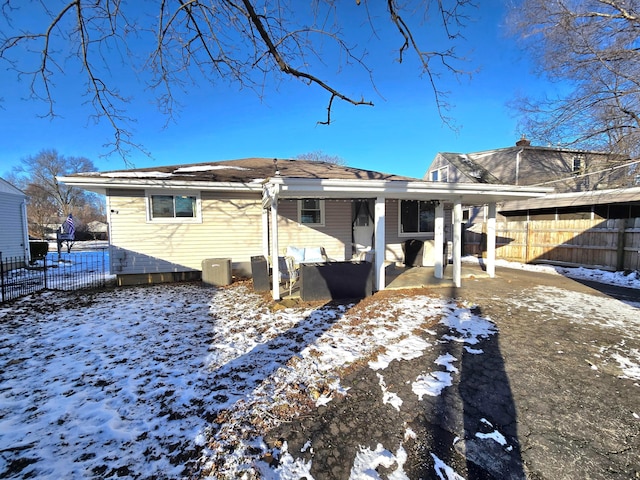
(98, 230)
(14, 234)
(164, 221)
(591, 217)
(566, 171)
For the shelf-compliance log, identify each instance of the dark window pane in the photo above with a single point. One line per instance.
(186, 206)
(362, 213)
(162, 206)
(417, 216)
(310, 211)
(310, 217)
(409, 216)
(427, 216)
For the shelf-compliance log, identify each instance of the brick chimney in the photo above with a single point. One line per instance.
(523, 142)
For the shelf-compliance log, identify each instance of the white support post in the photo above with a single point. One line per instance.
(265, 232)
(380, 241)
(438, 238)
(491, 241)
(275, 271)
(457, 242)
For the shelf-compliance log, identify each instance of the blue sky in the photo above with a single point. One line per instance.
(401, 134)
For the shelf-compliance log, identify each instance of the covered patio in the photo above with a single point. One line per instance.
(455, 194)
(401, 278)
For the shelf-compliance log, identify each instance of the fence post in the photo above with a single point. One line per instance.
(44, 271)
(527, 242)
(622, 226)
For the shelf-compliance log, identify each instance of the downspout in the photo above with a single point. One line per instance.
(25, 231)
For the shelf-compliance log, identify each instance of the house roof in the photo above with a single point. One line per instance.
(522, 164)
(470, 168)
(246, 170)
(6, 187)
(294, 178)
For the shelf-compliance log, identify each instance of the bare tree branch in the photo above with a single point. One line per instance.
(172, 46)
(590, 49)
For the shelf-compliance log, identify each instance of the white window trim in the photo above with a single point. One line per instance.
(417, 235)
(440, 171)
(190, 193)
(322, 214)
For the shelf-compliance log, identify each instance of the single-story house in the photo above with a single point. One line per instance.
(14, 232)
(164, 221)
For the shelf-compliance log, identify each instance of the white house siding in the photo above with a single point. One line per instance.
(12, 224)
(230, 228)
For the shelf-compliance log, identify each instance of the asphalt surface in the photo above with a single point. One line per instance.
(544, 382)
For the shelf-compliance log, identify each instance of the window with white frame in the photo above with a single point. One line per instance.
(311, 211)
(578, 164)
(417, 217)
(440, 175)
(173, 207)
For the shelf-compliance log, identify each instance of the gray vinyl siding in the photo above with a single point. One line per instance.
(12, 226)
(453, 174)
(230, 228)
(394, 240)
(334, 236)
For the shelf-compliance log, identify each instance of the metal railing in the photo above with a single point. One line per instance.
(71, 271)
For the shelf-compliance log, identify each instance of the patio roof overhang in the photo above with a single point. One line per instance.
(465, 193)
(276, 188)
(575, 199)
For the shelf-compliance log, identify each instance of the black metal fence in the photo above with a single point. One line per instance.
(71, 271)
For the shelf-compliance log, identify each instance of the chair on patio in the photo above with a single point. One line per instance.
(288, 271)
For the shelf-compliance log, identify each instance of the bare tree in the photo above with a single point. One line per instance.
(42, 212)
(175, 45)
(49, 200)
(320, 156)
(590, 49)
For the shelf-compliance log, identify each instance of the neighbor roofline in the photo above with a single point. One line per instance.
(533, 147)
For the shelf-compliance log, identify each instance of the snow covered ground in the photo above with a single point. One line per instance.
(622, 279)
(85, 266)
(170, 380)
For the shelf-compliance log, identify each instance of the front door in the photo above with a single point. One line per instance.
(362, 227)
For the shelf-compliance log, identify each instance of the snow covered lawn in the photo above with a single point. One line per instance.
(175, 381)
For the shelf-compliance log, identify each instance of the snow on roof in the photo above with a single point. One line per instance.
(136, 174)
(207, 168)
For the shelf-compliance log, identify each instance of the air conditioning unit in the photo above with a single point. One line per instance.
(216, 271)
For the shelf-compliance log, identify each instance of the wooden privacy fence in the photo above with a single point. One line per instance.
(610, 244)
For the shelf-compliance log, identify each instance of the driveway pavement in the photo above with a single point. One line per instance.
(556, 394)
